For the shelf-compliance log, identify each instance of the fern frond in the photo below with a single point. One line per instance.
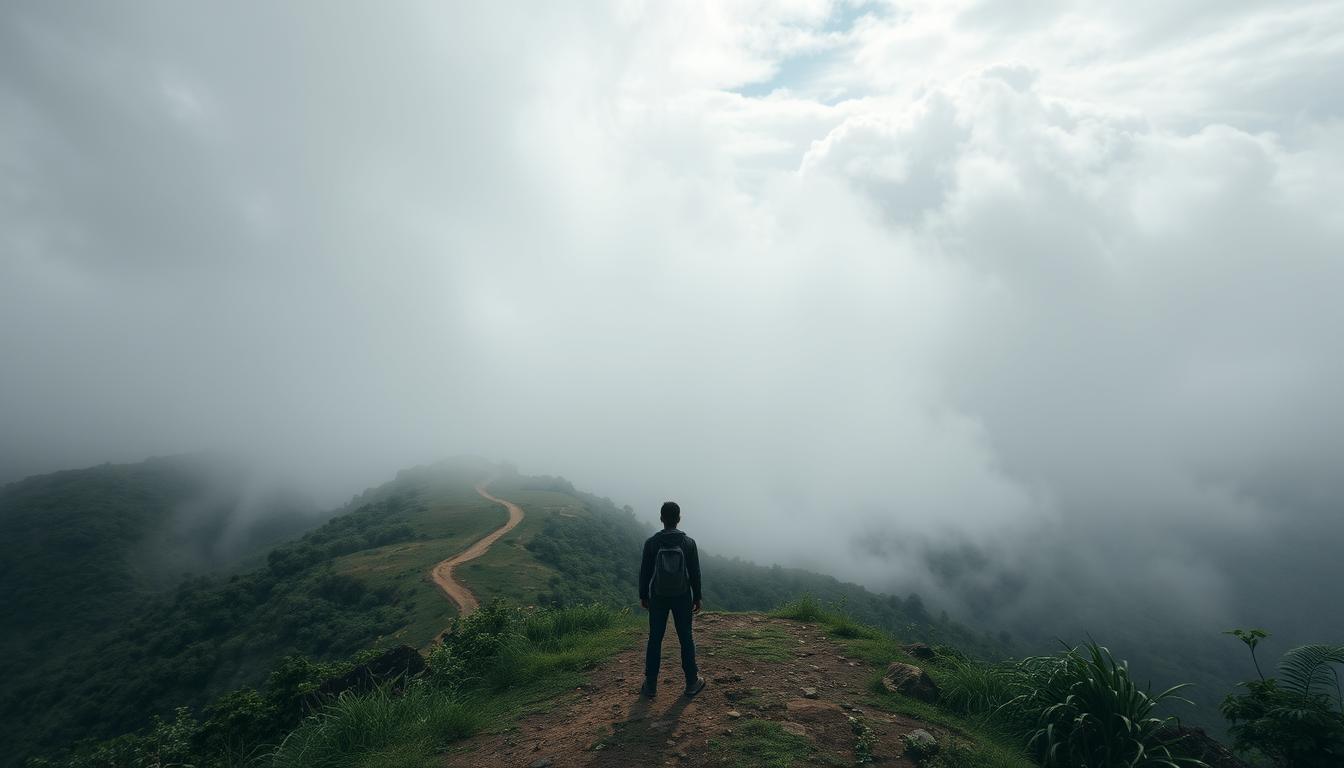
(1308, 667)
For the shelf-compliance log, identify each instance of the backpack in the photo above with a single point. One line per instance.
(670, 577)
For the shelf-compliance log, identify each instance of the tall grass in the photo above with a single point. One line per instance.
(352, 729)
(804, 608)
(975, 688)
(547, 627)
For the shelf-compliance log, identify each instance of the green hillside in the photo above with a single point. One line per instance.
(101, 645)
(360, 581)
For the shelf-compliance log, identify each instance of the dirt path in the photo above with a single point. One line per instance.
(759, 669)
(443, 572)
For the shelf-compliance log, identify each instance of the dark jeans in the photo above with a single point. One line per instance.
(680, 608)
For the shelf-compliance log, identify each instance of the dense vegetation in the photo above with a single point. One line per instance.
(87, 557)
(493, 663)
(75, 545)
(1297, 719)
(153, 651)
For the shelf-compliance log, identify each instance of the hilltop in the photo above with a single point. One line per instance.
(780, 692)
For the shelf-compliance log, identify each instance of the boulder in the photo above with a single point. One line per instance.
(921, 651)
(920, 744)
(909, 680)
(395, 664)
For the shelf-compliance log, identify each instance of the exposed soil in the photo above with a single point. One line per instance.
(443, 572)
(756, 667)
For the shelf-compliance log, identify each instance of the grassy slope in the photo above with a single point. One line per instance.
(510, 570)
(450, 522)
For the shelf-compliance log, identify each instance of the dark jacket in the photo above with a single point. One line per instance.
(669, 538)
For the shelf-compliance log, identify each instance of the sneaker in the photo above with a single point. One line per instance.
(647, 690)
(695, 687)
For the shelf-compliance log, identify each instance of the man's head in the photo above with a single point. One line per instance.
(670, 514)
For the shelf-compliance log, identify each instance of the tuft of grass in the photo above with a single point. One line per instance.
(805, 608)
(764, 643)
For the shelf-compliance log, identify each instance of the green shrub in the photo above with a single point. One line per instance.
(1075, 708)
(474, 646)
(501, 645)
(1088, 711)
(1296, 721)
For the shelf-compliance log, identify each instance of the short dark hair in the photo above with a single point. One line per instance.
(670, 513)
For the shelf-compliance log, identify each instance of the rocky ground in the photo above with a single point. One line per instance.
(776, 687)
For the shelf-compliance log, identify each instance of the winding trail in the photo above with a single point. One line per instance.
(443, 572)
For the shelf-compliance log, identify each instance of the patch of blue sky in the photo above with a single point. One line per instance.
(793, 72)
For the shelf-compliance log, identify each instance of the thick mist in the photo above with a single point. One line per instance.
(1033, 312)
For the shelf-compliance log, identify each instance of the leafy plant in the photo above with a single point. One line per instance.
(1252, 638)
(864, 739)
(1296, 721)
(1090, 712)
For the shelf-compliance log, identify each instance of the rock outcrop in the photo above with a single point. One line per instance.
(401, 662)
(909, 680)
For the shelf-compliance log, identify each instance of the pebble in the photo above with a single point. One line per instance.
(734, 714)
(809, 693)
(544, 762)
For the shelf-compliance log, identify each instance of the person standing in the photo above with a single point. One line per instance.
(669, 582)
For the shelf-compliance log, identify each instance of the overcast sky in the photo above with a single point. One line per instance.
(855, 282)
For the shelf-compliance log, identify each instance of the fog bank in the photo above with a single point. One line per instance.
(1022, 310)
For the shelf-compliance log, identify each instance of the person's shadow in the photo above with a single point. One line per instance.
(641, 737)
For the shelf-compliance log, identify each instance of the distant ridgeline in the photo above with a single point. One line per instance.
(103, 638)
